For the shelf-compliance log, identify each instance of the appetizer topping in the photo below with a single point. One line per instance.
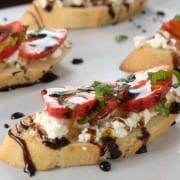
(54, 128)
(42, 43)
(173, 27)
(11, 36)
(150, 87)
(162, 39)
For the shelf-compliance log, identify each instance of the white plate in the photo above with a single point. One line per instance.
(102, 56)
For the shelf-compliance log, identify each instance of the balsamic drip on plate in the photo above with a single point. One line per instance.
(6, 126)
(29, 166)
(77, 61)
(105, 166)
(17, 115)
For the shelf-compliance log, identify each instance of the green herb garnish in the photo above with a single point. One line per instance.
(102, 89)
(158, 76)
(177, 17)
(163, 108)
(177, 75)
(120, 38)
(128, 79)
(83, 121)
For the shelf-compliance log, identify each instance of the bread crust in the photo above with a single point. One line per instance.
(63, 17)
(76, 154)
(151, 57)
(12, 76)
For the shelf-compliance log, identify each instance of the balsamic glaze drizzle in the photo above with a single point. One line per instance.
(29, 165)
(17, 115)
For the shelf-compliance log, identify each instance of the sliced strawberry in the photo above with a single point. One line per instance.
(11, 36)
(8, 52)
(173, 27)
(84, 106)
(147, 94)
(42, 44)
(72, 106)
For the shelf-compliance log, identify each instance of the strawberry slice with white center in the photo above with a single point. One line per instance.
(147, 95)
(66, 103)
(42, 43)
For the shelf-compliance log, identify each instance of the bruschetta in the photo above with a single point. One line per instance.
(26, 55)
(94, 124)
(161, 49)
(79, 14)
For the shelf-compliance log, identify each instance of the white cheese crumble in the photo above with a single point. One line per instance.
(173, 95)
(54, 128)
(119, 129)
(84, 136)
(161, 39)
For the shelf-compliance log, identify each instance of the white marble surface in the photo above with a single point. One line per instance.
(102, 56)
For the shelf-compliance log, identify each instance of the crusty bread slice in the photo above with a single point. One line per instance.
(146, 57)
(69, 17)
(13, 76)
(76, 154)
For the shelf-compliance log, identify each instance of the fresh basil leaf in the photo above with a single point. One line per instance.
(102, 89)
(159, 75)
(120, 38)
(177, 17)
(163, 108)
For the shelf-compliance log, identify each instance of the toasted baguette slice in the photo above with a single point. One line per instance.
(146, 57)
(69, 17)
(12, 76)
(76, 154)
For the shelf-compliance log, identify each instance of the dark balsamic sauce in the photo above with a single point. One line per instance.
(57, 143)
(6, 126)
(17, 115)
(105, 166)
(160, 13)
(111, 11)
(48, 77)
(174, 123)
(77, 61)
(110, 144)
(174, 108)
(49, 6)
(29, 166)
(145, 135)
(142, 150)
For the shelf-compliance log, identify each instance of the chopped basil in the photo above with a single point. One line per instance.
(128, 79)
(159, 75)
(120, 38)
(102, 89)
(177, 17)
(177, 75)
(83, 121)
(163, 108)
